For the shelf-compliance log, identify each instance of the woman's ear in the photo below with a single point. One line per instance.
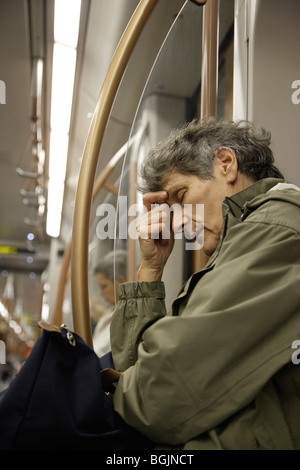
(225, 159)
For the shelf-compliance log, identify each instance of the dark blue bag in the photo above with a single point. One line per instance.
(57, 400)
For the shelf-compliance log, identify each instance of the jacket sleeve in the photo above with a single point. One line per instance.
(140, 304)
(193, 371)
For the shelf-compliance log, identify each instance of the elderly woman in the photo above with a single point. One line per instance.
(216, 372)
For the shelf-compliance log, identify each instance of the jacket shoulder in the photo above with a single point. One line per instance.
(280, 208)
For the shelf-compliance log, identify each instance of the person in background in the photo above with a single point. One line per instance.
(109, 272)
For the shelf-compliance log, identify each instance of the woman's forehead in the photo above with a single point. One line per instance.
(174, 181)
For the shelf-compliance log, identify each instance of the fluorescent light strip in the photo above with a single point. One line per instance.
(67, 33)
(63, 75)
(64, 62)
(58, 152)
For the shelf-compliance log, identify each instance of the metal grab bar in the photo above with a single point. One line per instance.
(209, 82)
(210, 50)
(199, 2)
(79, 271)
(28, 174)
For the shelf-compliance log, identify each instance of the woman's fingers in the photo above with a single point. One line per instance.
(155, 232)
(153, 198)
(155, 236)
(156, 223)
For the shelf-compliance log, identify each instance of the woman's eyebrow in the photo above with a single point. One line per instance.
(173, 191)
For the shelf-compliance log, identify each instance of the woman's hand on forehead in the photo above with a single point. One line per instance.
(154, 198)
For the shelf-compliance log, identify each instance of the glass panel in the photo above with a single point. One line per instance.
(110, 248)
(109, 251)
(168, 101)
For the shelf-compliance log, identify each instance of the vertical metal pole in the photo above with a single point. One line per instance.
(210, 52)
(209, 81)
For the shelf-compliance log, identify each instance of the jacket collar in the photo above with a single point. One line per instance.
(235, 204)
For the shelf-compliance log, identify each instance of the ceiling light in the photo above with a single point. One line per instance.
(55, 200)
(45, 312)
(58, 152)
(66, 32)
(63, 76)
(64, 61)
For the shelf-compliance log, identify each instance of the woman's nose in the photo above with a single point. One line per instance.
(180, 220)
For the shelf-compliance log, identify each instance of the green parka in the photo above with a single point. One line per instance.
(217, 371)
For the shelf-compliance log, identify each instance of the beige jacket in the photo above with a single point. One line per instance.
(217, 372)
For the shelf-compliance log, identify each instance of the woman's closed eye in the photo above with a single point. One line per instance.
(180, 196)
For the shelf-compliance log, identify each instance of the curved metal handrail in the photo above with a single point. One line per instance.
(101, 181)
(79, 271)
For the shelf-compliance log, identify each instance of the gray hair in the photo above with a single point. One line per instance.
(113, 263)
(191, 148)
